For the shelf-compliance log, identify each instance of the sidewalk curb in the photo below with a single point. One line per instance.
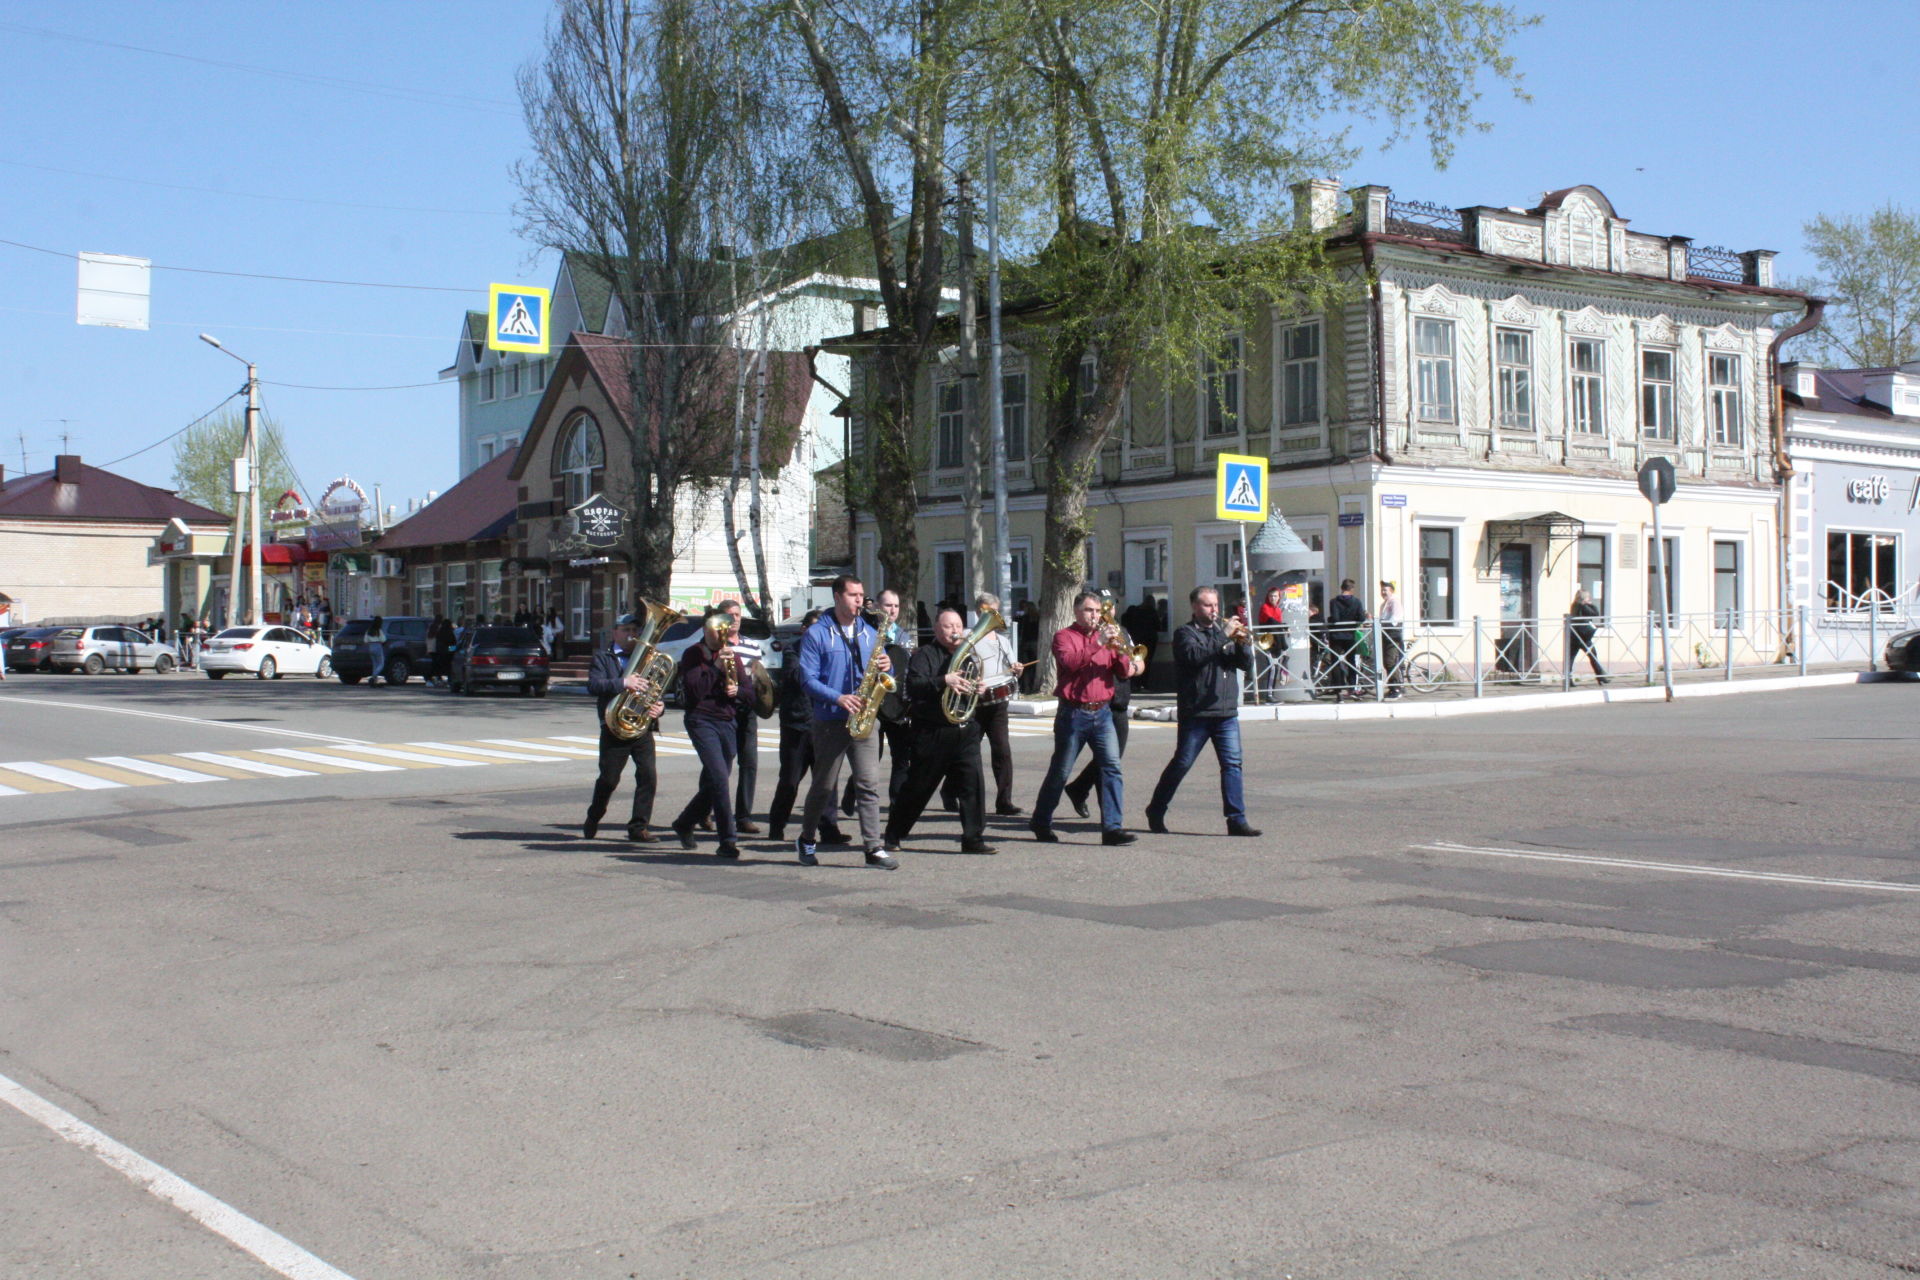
(1419, 709)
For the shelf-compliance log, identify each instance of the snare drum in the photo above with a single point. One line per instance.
(999, 690)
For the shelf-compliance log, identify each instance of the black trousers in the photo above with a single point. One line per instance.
(614, 754)
(714, 741)
(1081, 787)
(796, 762)
(992, 719)
(951, 752)
(1579, 642)
(746, 761)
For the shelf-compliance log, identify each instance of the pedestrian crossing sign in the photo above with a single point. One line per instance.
(517, 318)
(1240, 488)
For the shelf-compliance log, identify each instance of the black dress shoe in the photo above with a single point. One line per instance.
(830, 834)
(777, 833)
(685, 834)
(640, 835)
(976, 846)
(590, 828)
(1117, 837)
(727, 851)
(1241, 829)
(747, 828)
(1079, 804)
(1010, 811)
(1043, 834)
(1157, 825)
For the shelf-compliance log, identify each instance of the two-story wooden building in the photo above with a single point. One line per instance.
(1476, 412)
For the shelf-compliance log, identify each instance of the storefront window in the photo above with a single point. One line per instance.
(1863, 570)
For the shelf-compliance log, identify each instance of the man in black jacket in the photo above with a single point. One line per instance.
(1206, 661)
(606, 677)
(1345, 614)
(941, 749)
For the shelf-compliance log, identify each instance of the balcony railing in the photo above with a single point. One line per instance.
(1711, 262)
(1426, 221)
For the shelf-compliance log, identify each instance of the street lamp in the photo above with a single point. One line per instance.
(249, 459)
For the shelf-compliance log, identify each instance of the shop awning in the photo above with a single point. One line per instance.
(1549, 527)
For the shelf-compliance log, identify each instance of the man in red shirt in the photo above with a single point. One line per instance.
(1087, 664)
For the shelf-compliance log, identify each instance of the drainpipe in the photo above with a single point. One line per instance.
(1379, 365)
(1782, 464)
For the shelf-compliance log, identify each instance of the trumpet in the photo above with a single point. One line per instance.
(1239, 633)
(1121, 641)
(720, 631)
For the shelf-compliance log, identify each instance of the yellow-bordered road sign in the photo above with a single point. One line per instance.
(1240, 488)
(517, 318)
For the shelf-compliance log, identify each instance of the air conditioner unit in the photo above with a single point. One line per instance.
(386, 566)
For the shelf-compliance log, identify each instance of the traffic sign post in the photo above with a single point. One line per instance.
(1657, 483)
(1240, 493)
(517, 318)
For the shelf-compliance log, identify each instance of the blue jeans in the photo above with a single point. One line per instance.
(1073, 727)
(1194, 734)
(377, 655)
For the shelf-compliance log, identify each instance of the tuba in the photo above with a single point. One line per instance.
(875, 685)
(959, 707)
(627, 717)
(1122, 641)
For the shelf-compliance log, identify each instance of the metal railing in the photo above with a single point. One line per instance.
(1427, 221)
(1482, 655)
(1711, 262)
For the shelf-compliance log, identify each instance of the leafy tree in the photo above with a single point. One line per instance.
(1150, 147)
(891, 77)
(661, 150)
(203, 461)
(1870, 268)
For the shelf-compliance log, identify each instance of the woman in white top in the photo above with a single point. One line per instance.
(1393, 637)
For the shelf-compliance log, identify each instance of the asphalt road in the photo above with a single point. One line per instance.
(1617, 991)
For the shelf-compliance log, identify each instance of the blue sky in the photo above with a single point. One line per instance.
(1729, 122)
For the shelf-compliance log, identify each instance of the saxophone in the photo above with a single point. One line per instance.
(875, 685)
(627, 717)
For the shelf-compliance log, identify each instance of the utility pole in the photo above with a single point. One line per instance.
(970, 401)
(996, 415)
(246, 480)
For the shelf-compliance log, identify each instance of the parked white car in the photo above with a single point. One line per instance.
(268, 652)
(95, 649)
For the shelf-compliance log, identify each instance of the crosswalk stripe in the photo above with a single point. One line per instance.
(235, 760)
(22, 783)
(494, 752)
(421, 757)
(540, 746)
(229, 770)
(165, 772)
(125, 777)
(358, 755)
(66, 777)
(314, 757)
(574, 737)
(9, 791)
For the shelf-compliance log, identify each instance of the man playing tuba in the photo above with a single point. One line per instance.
(606, 679)
(939, 687)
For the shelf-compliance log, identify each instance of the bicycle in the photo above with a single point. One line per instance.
(1414, 673)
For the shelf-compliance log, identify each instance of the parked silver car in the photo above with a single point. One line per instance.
(95, 649)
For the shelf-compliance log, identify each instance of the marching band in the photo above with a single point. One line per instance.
(852, 686)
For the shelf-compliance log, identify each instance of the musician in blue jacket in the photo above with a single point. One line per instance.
(606, 677)
(833, 656)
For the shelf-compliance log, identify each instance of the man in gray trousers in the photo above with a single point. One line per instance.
(833, 658)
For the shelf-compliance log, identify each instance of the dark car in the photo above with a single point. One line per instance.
(407, 650)
(499, 658)
(31, 648)
(1903, 653)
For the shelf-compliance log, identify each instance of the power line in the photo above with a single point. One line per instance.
(430, 96)
(182, 431)
(398, 386)
(252, 195)
(257, 275)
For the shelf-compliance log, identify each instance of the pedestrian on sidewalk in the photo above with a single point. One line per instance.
(1580, 629)
(1393, 638)
(1345, 615)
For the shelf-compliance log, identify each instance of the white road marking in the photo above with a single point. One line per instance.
(251, 766)
(1677, 868)
(314, 757)
(161, 715)
(574, 737)
(417, 757)
(170, 772)
(539, 746)
(225, 1221)
(488, 751)
(11, 791)
(66, 777)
